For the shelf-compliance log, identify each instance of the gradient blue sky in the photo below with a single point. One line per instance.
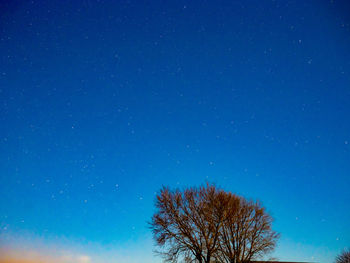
(103, 102)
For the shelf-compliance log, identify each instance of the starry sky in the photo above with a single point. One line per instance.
(103, 102)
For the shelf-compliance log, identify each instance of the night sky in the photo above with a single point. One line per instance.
(103, 102)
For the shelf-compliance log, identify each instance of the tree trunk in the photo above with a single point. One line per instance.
(199, 258)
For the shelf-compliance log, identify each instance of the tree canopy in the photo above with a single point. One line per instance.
(207, 224)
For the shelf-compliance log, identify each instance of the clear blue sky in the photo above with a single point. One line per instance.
(103, 102)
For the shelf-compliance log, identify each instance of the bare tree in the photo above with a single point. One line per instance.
(344, 257)
(246, 233)
(206, 225)
(187, 224)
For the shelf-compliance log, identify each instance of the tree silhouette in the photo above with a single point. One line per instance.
(344, 257)
(205, 224)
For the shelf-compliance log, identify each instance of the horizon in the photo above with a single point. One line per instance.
(102, 103)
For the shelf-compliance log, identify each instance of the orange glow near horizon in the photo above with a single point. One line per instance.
(21, 256)
(19, 260)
